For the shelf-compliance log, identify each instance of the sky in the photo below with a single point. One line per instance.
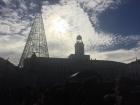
(109, 28)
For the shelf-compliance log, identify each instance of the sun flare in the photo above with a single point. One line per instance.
(60, 25)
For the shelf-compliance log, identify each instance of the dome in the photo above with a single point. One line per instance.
(79, 37)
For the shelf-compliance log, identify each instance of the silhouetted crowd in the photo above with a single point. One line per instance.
(85, 88)
(88, 92)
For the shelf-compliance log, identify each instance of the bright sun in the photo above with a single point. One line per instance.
(59, 25)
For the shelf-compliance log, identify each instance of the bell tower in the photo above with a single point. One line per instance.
(79, 51)
(79, 46)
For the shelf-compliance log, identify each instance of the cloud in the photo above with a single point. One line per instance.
(78, 23)
(11, 47)
(120, 55)
(125, 56)
(76, 16)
